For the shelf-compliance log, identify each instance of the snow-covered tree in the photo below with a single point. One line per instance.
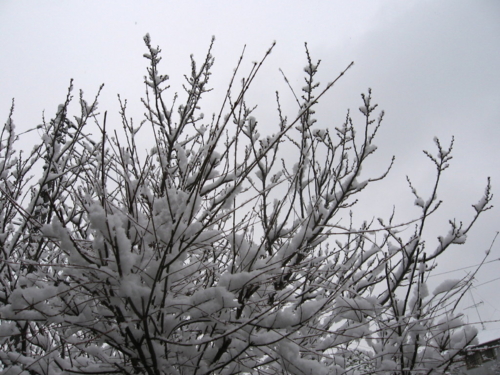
(219, 251)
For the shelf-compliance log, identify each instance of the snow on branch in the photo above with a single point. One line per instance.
(216, 251)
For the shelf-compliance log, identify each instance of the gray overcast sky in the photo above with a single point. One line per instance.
(433, 66)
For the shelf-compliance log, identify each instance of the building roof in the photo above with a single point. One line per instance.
(486, 336)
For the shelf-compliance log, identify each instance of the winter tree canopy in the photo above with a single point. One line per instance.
(226, 247)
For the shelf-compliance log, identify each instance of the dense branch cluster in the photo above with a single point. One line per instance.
(219, 251)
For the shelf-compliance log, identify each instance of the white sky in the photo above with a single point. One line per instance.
(433, 66)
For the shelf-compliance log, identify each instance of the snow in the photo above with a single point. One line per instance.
(446, 286)
(7, 329)
(363, 110)
(236, 281)
(479, 206)
(419, 202)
